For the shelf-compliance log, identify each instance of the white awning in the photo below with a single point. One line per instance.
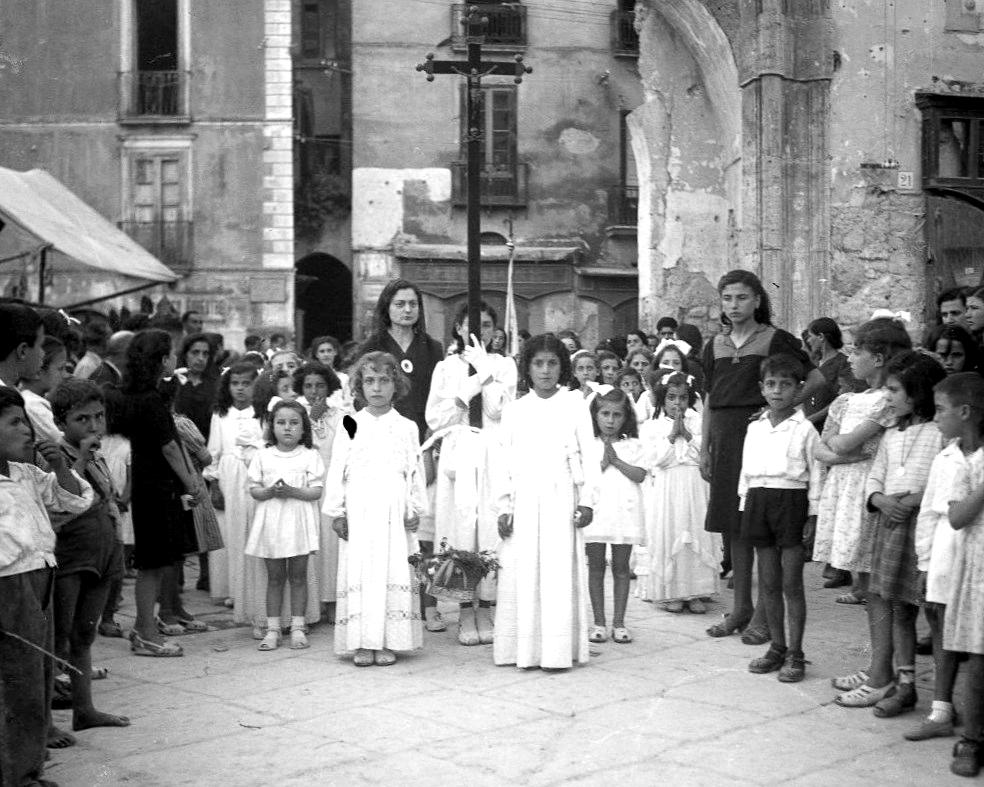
(38, 211)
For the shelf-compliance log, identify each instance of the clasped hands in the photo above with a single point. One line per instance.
(897, 508)
(582, 518)
(340, 525)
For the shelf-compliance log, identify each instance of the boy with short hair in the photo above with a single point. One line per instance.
(88, 550)
(27, 560)
(778, 490)
(958, 400)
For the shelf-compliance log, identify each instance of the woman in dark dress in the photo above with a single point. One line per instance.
(731, 368)
(160, 477)
(400, 331)
(823, 337)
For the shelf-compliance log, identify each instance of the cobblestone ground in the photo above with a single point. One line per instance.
(674, 707)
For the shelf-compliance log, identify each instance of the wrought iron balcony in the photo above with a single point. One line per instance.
(506, 28)
(154, 95)
(625, 39)
(502, 185)
(623, 205)
(169, 241)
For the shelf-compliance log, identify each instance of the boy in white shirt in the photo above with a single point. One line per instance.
(778, 491)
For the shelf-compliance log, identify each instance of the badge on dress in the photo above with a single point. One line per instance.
(407, 365)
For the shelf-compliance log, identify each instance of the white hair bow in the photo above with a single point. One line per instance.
(680, 344)
(666, 377)
(899, 316)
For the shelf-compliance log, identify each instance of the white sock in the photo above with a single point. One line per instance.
(273, 624)
(941, 711)
(297, 623)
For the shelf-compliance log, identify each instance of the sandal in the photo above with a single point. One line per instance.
(362, 658)
(192, 625)
(850, 682)
(675, 606)
(793, 669)
(863, 696)
(169, 629)
(270, 641)
(597, 635)
(851, 598)
(145, 647)
(770, 662)
(727, 627)
(756, 636)
(621, 635)
(384, 658)
(298, 639)
(696, 607)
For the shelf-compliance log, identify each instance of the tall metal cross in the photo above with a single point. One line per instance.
(473, 70)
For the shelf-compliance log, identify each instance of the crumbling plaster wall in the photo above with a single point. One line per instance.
(886, 52)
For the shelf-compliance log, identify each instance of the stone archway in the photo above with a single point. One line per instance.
(323, 298)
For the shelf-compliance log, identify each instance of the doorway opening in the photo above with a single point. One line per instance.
(322, 299)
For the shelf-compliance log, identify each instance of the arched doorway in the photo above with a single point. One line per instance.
(322, 299)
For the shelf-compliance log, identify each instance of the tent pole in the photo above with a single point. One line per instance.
(42, 261)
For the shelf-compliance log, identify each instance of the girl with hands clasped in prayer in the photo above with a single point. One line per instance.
(548, 486)
(286, 479)
(375, 495)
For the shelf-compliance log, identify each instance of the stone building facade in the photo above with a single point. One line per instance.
(785, 137)
(172, 118)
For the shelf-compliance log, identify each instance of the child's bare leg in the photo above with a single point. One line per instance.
(297, 572)
(621, 553)
(596, 580)
(91, 603)
(880, 627)
(945, 661)
(974, 708)
(794, 597)
(66, 595)
(771, 586)
(742, 563)
(904, 633)
(276, 579)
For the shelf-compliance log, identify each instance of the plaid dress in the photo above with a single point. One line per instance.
(901, 465)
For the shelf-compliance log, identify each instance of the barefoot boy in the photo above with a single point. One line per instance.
(90, 556)
(778, 490)
(27, 561)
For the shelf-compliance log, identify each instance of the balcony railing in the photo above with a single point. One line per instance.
(502, 185)
(148, 95)
(169, 241)
(625, 39)
(506, 28)
(623, 205)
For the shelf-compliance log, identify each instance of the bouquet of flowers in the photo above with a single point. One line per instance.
(454, 574)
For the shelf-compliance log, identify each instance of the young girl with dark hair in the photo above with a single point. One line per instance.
(548, 494)
(731, 366)
(894, 489)
(956, 348)
(619, 519)
(682, 570)
(286, 478)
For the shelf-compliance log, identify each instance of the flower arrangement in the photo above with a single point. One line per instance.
(454, 574)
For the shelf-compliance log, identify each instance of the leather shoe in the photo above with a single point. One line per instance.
(930, 729)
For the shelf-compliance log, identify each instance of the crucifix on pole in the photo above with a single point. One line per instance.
(473, 70)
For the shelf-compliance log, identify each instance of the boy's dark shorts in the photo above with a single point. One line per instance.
(774, 517)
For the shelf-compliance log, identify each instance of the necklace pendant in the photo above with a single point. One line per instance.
(900, 471)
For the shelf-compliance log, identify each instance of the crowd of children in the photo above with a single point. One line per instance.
(632, 456)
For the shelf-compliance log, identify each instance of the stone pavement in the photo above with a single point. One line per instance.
(674, 707)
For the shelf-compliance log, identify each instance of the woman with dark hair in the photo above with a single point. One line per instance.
(823, 337)
(731, 365)
(465, 499)
(956, 349)
(161, 478)
(196, 396)
(975, 314)
(401, 332)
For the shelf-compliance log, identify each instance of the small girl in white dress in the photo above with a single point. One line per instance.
(683, 556)
(618, 515)
(286, 479)
(375, 495)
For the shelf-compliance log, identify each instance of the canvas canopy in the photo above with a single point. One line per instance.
(38, 211)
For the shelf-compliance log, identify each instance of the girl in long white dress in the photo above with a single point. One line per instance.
(233, 440)
(618, 519)
(548, 491)
(323, 398)
(286, 478)
(683, 556)
(375, 495)
(464, 508)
